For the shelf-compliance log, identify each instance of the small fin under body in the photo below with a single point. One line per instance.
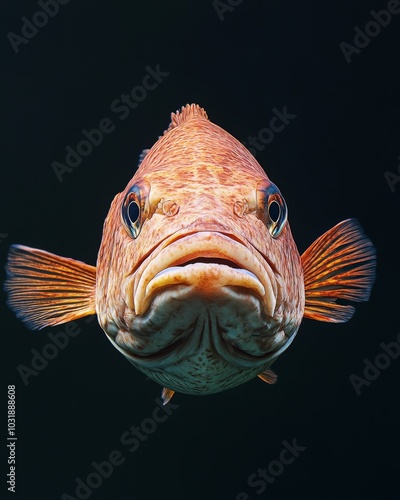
(47, 290)
(166, 395)
(340, 264)
(268, 376)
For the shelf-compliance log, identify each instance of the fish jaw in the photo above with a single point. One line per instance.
(206, 357)
(204, 260)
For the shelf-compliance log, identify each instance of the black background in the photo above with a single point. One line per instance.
(329, 163)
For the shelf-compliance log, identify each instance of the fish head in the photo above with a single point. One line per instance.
(199, 282)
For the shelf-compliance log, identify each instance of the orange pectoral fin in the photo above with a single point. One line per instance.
(340, 264)
(46, 290)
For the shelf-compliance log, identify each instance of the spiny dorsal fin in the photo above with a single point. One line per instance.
(166, 395)
(268, 376)
(340, 264)
(187, 112)
(142, 156)
(46, 290)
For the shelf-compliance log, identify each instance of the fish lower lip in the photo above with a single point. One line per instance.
(206, 277)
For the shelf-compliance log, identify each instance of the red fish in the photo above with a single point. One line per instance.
(198, 282)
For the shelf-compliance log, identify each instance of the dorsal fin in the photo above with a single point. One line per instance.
(186, 112)
(142, 156)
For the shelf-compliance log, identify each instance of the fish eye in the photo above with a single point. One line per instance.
(271, 207)
(134, 208)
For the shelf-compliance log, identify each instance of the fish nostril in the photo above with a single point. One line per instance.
(240, 207)
(170, 208)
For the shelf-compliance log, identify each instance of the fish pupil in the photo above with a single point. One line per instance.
(274, 211)
(133, 211)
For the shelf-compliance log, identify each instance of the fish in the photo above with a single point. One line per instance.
(198, 281)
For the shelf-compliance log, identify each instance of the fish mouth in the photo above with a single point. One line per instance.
(205, 261)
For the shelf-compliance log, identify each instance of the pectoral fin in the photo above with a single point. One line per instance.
(340, 264)
(46, 290)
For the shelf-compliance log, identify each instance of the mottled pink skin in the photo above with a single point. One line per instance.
(212, 179)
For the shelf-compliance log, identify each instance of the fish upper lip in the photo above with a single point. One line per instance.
(182, 247)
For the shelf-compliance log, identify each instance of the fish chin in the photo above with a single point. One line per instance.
(203, 343)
